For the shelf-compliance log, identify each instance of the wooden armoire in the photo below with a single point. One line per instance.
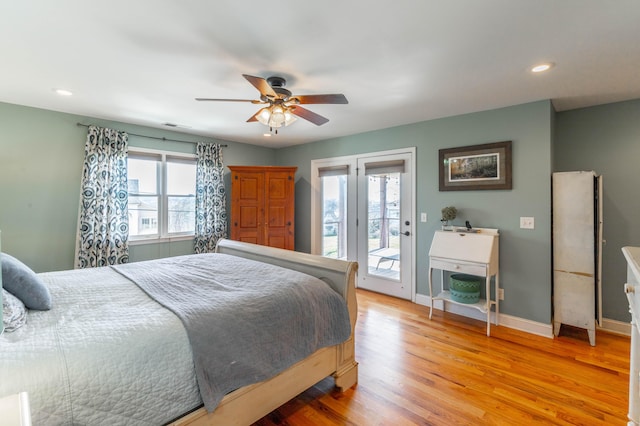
(262, 205)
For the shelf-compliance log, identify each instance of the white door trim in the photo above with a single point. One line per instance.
(352, 161)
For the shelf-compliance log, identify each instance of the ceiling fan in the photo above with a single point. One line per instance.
(283, 107)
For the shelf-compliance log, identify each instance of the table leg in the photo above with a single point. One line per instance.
(497, 297)
(488, 290)
(430, 292)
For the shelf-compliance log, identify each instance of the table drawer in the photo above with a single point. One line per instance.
(462, 267)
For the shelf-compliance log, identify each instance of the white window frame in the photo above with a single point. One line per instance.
(163, 198)
(351, 163)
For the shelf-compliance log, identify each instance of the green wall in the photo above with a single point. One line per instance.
(525, 255)
(606, 139)
(41, 155)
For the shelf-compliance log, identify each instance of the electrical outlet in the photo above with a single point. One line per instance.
(527, 223)
(501, 294)
(423, 217)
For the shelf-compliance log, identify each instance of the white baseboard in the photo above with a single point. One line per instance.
(616, 327)
(517, 323)
(528, 326)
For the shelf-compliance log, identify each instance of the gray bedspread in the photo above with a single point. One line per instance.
(105, 354)
(246, 320)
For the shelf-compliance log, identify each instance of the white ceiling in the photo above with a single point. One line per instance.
(399, 62)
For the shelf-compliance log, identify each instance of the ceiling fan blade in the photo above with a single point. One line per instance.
(311, 116)
(262, 85)
(337, 98)
(253, 118)
(253, 101)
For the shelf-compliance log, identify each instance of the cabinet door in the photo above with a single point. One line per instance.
(247, 213)
(279, 209)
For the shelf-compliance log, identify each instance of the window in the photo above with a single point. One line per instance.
(181, 196)
(334, 210)
(162, 199)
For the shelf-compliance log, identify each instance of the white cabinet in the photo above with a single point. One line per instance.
(468, 253)
(577, 241)
(632, 289)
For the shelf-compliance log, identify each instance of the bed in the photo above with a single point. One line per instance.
(108, 353)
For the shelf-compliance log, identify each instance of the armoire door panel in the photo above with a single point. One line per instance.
(248, 217)
(252, 240)
(249, 187)
(276, 216)
(277, 241)
(277, 188)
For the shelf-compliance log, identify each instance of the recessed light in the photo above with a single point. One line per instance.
(266, 135)
(542, 67)
(63, 92)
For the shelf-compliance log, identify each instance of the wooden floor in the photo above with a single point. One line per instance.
(446, 371)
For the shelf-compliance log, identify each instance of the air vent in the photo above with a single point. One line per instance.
(178, 126)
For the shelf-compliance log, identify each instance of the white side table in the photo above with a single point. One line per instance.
(468, 253)
(14, 410)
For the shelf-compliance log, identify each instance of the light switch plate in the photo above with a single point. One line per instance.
(527, 223)
(423, 217)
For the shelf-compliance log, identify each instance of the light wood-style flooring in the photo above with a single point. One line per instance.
(446, 371)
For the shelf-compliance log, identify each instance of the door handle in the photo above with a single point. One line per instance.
(407, 233)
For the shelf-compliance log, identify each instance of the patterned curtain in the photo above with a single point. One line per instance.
(103, 223)
(211, 205)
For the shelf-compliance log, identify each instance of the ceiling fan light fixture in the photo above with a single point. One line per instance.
(277, 116)
(264, 115)
(289, 118)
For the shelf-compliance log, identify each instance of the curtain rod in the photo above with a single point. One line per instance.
(154, 137)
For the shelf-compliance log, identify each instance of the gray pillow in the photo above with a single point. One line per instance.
(23, 283)
(14, 313)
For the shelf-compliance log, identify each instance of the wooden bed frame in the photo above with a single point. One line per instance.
(250, 403)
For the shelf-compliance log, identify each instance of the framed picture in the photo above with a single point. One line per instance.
(486, 166)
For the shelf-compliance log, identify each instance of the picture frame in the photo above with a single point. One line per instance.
(476, 167)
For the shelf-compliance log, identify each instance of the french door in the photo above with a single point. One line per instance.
(362, 210)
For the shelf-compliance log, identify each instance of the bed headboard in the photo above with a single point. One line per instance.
(337, 273)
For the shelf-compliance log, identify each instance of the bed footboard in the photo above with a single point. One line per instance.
(250, 403)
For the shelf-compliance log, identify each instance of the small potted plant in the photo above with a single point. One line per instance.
(448, 214)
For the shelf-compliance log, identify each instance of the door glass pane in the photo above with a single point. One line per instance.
(334, 216)
(383, 217)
